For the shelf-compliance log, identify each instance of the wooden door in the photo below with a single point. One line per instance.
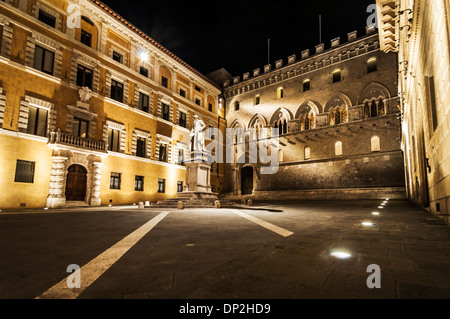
(76, 183)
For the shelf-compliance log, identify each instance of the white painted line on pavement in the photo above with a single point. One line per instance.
(96, 267)
(280, 231)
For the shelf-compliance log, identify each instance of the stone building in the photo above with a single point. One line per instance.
(338, 118)
(418, 30)
(92, 110)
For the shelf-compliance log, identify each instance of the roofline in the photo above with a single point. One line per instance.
(152, 41)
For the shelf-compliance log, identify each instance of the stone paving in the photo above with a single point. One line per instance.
(216, 254)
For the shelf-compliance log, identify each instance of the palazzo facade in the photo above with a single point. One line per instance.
(419, 32)
(338, 119)
(92, 110)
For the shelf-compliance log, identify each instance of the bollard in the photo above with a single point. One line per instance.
(141, 205)
(249, 202)
(217, 204)
(147, 203)
(180, 205)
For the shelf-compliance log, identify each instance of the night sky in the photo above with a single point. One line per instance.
(209, 35)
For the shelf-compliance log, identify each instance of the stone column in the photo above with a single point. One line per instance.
(96, 184)
(57, 196)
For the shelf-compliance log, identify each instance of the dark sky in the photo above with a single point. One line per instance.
(212, 34)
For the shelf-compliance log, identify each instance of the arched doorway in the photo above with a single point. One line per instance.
(247, 180)
(76, 183)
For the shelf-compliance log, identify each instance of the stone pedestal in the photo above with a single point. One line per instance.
(198, 180)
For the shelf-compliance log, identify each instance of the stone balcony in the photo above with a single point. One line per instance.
(60, 138)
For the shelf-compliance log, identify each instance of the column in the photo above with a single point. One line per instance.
(57, 196)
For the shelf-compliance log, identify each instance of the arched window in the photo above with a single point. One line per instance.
(307, 153)
(312, 120)
(302, 123)
(375, 144)
(344, 115)
(372, 65)
(337, 75)
(280, 93)
(381, 109)
(373, 109)
(257, 99)
(366, 110)
(338, 148)
(337, 118)
(332, 121)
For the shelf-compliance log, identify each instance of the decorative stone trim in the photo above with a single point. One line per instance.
(148, 147)
(2, 106)
(38, 39)
(115, 126)
(6, 37)
(24, 109)
(79, 58)
(35, 12)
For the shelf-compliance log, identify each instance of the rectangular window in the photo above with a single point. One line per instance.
(182, 93)
(141, 147)
(306, 86)
(80, 128)
(161, 185)
(139, 183)
(198, 101)
(47, 18)
(163, 153)
(24, 172)
(115, 181)
(114, 140)
(198, 89)
(143, 71)
(43, 60)
(210, 107)
(165, 112)
(117, 57)
(182, 120)
(164, 82)
(179, 187)
(84, 76)
(432, 109)
(143, 102)
(116, 91)
(37, 121)
(86, 38)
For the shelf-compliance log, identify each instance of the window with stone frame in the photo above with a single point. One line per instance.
(116, 90)
(144, 102)
(37, 121)
(141, 147)
(85, 76)
(165, 111)
(47, 18)
(43, 60)
(113, 140)
(139, 183)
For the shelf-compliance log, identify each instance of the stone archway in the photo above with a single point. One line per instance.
(247, 180)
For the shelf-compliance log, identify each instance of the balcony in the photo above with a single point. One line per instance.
(60, 138)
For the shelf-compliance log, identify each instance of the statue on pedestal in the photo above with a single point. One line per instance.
(197, 135)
